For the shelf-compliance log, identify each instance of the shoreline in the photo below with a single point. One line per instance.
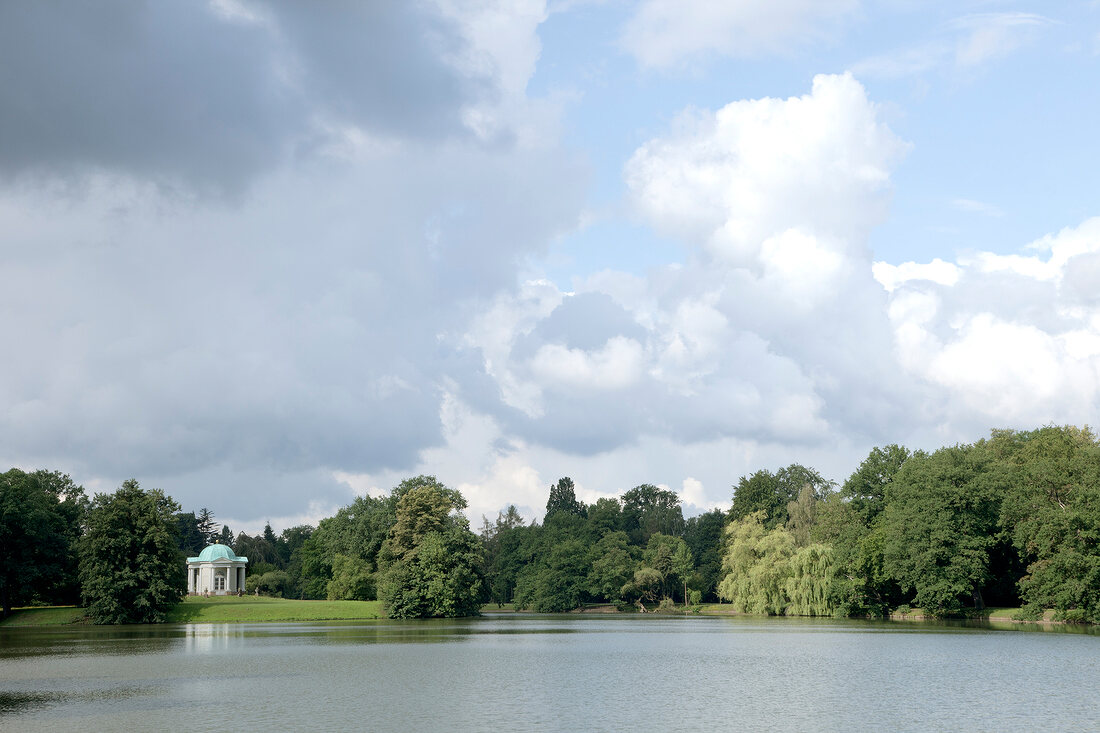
(264, 609)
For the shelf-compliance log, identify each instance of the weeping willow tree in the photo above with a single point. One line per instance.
(756, 566)
(765, 574)
(811, 573)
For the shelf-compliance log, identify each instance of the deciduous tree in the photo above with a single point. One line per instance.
(430, 564)
(131, 568)
(1053, 513)
(940, 524)
(40, 515)
(647, 510)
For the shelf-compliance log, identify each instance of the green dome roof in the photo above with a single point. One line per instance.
(216, 552)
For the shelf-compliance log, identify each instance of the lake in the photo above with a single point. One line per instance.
(563, 673)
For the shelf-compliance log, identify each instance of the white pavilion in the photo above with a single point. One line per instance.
(216, 570)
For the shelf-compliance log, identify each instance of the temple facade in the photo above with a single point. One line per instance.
(216, 570)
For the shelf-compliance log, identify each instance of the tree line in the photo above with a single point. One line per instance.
(1011, 520)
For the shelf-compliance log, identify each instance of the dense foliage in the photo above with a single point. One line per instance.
(131, 568)
(430, 563)
(1012, 520)
(40, 520)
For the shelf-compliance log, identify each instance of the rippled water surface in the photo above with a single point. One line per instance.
(568, 673)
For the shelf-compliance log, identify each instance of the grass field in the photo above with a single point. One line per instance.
(48, 616)
(249, 609)
(219, 610)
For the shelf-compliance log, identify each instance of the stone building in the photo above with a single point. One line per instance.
(216, 570)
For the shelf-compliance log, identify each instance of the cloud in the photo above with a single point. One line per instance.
(305, 325)
(779, 339)
(989, 36)
(208, 96)
(963, 45)
(1007, 340)
(664, 33)
(755, 169)
(938, 271)
(774, 318)
(616, 365)
(976, 207)
(351, 311)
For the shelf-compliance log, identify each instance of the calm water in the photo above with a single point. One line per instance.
(522, 673)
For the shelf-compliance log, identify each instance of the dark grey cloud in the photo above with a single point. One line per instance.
(180, 94)
(161, 90)
(381, 65)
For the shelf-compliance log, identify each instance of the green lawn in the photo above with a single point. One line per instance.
(47, 616)
(218, 610)
(247, 609)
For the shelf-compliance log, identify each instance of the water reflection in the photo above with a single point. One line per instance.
(531, 672)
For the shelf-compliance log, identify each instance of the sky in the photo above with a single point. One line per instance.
(271, 256)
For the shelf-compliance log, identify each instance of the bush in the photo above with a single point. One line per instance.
(274, 583)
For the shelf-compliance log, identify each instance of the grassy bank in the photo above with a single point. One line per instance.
(996, 615)
(251, 609)
(999, 614)
(219, 610)
(48, 616)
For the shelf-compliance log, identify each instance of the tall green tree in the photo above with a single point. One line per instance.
(257, 550)
(703, 535)
(357, 530)
(314, 564)
(557, 582)
(611, 566)
(207, 526)
(759, 492)
(497, 539)
(514, 549)
(940, 525)
(647, 510)
(430, 564)
(860, 585)
(131, 568)
(563, 500)
(192, 539)
(773, 492)
(40, 518)
(802, 515)
(604, 517)
(866, 488)
(682, 564)
(1052, 511)
(554, 578)
(670, 557)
